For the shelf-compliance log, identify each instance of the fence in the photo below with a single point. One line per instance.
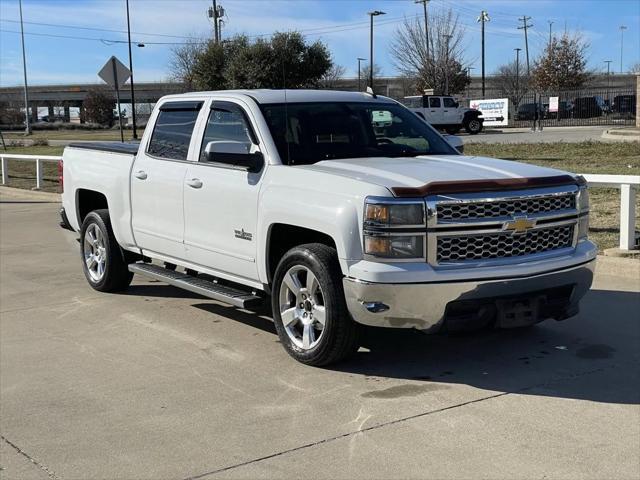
(38, 159)
(589, 106)
(628, 184)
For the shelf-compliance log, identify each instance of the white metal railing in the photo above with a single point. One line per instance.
(628, 185)
(5, 157)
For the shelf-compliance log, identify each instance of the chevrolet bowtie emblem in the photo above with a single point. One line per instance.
(519, 225)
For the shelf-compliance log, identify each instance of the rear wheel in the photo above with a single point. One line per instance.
(102, 260)
(309, 308)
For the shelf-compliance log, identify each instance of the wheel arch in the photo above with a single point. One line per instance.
(87, 201)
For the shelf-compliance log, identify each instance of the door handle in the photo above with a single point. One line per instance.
(141, 174)
(195, 183)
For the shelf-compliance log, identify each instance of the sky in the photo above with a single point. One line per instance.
(68, 41)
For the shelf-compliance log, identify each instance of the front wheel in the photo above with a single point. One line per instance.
(473, 126)
(102, 261)
(309, 308)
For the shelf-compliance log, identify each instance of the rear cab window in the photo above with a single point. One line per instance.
(173, 130)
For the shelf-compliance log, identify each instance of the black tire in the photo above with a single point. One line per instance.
(473, 126)
(452, 129)
(339, 338)
(116, 275)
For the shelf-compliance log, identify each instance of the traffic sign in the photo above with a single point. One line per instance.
(114, 73)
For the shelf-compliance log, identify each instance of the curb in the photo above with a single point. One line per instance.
(20, 194)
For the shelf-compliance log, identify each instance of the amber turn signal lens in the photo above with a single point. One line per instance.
(377, 214)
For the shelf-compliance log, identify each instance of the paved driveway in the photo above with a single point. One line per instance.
(160, 383)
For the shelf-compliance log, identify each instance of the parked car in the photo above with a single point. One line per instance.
(527, 111)
(589, 107)
(624, 104)
(565, 110)
(296, 199)
(445, 113)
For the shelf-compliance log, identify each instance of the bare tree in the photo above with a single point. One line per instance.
(509, 85)
(635, 68)
(335, 73)
(442, 62)
(183, 61)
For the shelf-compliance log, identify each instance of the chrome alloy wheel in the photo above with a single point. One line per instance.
(302, 308)
(95, 252)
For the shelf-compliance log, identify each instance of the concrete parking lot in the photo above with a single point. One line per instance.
(548, 135)
(160, 383)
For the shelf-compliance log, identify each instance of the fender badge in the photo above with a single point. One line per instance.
(241, 234)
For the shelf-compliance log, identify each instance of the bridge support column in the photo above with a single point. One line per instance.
(34, 112)
(67, 114)
(50, 112)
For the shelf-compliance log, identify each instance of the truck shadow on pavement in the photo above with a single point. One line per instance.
(594, 356)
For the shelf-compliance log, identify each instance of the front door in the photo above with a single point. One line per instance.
(157, 181)
(221, 200)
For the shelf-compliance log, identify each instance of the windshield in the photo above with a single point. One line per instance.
(306, 133)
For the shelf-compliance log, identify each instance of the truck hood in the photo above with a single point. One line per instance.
(417, 171)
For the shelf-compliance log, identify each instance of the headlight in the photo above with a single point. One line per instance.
(385, 215)
(583, 212)
(389, 228)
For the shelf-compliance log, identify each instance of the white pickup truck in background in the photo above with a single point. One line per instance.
(338, 209)
(445, 113)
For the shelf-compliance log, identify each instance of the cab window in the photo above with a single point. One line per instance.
(173, 129)
(449, 102)
(434, 102)
(227, 122)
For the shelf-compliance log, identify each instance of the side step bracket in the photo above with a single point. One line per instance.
(222, 293)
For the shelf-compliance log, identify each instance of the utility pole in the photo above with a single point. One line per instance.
(483, 18)
(525, 26)
(622, 29)
(517, 75)
(27, 125)
(446, 65)
(550, 30)
(360, 59)
(608, 62)
(133, 98)
(215, 22)
(426, 24)
(375, 13)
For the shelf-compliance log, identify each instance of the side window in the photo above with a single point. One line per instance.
(449, 102)
(172, 131)
(434, 102)
(227, 123)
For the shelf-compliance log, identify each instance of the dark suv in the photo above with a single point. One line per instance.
(588, 107)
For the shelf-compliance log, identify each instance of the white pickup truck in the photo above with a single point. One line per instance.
(338, 208)
(445, 113)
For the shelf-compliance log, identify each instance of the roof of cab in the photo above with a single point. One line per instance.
(266, 96)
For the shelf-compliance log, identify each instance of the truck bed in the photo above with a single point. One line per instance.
(114, 147)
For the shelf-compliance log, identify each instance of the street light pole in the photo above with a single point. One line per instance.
(375, 13)
(133, 98)
(622, 29)
(360, 59)
(27, 125)
(483, 18)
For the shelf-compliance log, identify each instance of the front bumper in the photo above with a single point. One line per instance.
(431, 306)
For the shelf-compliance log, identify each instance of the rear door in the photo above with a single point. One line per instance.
(221, 200)
(157, 180)
(434, 112)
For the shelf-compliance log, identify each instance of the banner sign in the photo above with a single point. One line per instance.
(494, 111)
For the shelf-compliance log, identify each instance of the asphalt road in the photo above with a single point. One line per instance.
(548, 135)
(160, 383)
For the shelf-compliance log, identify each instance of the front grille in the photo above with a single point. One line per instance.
(505, 208)
(460, 248)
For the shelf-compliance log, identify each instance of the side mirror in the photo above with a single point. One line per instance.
(455, 142)
(234, 153)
